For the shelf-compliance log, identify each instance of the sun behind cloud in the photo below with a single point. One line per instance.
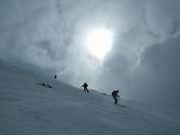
(99, 42)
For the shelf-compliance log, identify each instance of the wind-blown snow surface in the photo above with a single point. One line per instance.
(27, 108)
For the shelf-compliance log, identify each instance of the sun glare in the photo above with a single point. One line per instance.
(99, 42)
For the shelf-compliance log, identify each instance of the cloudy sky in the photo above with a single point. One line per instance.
(143, 59)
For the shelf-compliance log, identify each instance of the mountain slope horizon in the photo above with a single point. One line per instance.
(27, 107)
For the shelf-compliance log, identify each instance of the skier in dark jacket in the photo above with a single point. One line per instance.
(115, 95)
(85, 87)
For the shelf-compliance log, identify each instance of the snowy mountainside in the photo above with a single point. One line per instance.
(28, 108)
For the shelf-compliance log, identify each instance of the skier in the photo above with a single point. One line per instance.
(85, 87)
(115, 95)
(55, 76)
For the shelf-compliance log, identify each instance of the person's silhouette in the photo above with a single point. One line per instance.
(115, 95)
(85, 87)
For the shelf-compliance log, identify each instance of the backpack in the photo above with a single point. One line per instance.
(113, 93)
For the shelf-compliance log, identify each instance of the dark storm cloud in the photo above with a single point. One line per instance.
(51, 34)
(157, 79)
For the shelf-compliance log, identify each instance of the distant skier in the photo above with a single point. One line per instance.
(85, 87)
(55, 76)
(115, 95)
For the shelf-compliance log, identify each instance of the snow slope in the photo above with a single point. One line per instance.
(28, 108)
